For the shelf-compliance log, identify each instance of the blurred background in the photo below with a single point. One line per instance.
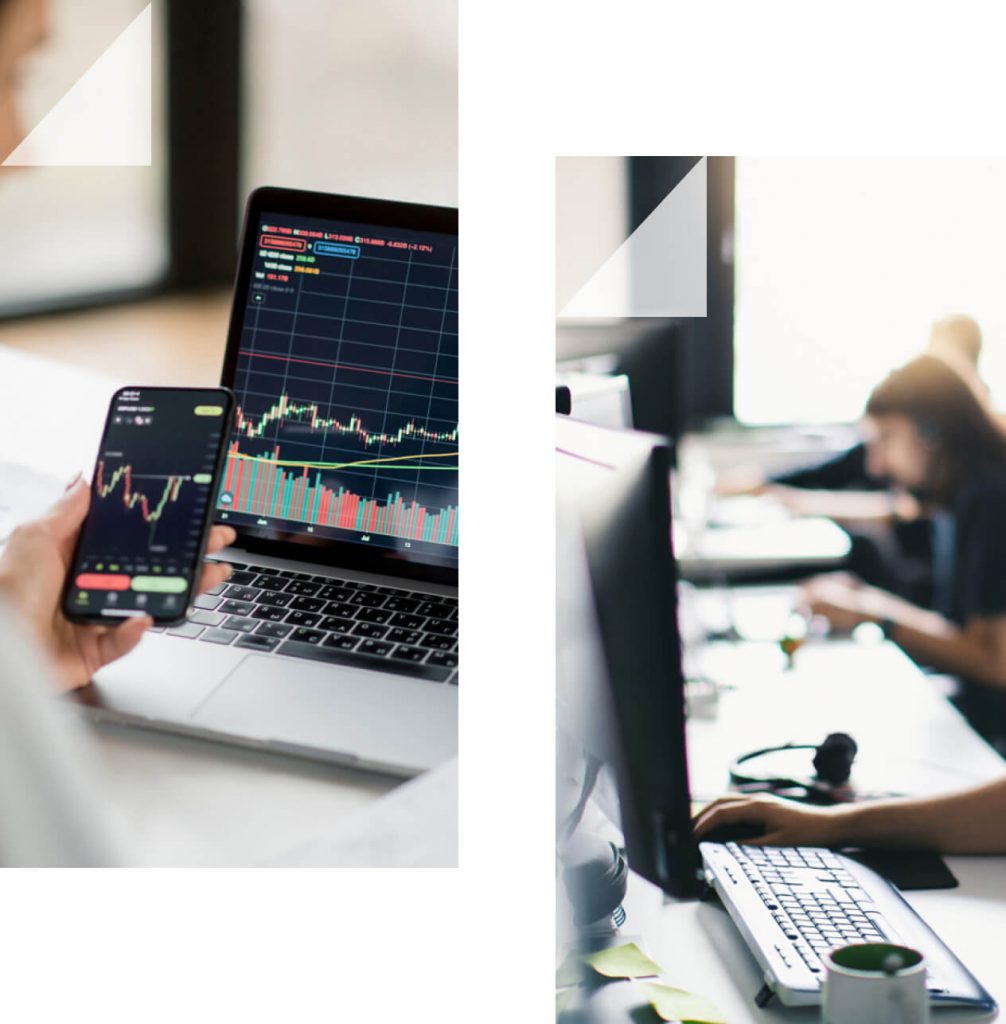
(822, 275)
(351, 98)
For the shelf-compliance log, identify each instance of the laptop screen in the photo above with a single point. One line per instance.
(346, 378)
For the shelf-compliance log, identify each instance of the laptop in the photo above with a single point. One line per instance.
(336, 637)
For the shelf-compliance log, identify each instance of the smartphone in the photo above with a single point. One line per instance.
(153, 493)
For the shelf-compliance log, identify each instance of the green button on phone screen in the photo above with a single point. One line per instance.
(159, 584)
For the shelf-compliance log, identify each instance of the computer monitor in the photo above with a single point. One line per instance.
(620, 689)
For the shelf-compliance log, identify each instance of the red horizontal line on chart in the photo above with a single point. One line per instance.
(358, 369)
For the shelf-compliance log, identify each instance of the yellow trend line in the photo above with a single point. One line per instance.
(341, 465)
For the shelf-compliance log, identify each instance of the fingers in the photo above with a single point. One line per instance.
(729, 811)
(115, 643)
(220, 537)
(214, 573)
(723, 801)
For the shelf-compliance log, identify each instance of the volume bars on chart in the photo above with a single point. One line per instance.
(269, 485)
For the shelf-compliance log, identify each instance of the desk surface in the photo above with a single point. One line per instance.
(176, 340)
(188, 802)
(744, 536)
(816, 545)
(702, 951)
(862, 688)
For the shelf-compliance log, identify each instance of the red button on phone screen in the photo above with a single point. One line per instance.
(102, 581)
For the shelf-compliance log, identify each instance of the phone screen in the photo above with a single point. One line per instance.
(152, 496)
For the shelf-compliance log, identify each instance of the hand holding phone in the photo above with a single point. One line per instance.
(33, 569)
(153, 494)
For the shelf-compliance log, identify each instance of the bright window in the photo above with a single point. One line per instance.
(843, 264)
(70, 232)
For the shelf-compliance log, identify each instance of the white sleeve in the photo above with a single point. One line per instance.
(51, 811)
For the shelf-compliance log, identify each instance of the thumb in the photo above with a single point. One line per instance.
(118, 642)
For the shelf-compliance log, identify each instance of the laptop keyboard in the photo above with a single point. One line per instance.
(330, 620)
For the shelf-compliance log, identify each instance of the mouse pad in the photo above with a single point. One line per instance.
(907, 869)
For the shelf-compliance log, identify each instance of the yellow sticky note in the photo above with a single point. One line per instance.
(675, 1004)
(627, 961)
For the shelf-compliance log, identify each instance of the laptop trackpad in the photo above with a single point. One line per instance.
(373, 717)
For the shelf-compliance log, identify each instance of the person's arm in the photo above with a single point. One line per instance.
(977, 652)
(847, 508)
(966, 821)
(846, 469)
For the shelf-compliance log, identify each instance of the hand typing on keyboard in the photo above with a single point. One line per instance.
(971, 820)
(782, 822)
(33, 567)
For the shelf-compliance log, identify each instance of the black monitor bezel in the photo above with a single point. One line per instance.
(630, 558)
(353, 209)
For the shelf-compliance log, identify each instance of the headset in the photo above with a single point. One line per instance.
(832, 766)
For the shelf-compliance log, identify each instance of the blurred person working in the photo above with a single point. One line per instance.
(889, 529)
(931, 432)
(958, 337)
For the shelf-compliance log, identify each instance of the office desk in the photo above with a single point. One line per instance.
(717, 552)
(744, 536)
(171, 340)
(862, 688)
(186, 801)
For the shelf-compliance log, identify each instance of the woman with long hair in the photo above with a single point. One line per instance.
(931, 431)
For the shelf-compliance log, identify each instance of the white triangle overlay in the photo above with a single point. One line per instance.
(660, 269)
(104, 119)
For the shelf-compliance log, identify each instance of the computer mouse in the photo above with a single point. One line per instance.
(739, 832)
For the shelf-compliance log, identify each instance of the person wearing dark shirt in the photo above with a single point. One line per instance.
(841, 472)
(891, 534)
(931, 432)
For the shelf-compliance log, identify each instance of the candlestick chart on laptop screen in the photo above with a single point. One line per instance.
(347, 388)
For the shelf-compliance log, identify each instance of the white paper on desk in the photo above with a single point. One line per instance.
(414, 826)
(24, 495)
